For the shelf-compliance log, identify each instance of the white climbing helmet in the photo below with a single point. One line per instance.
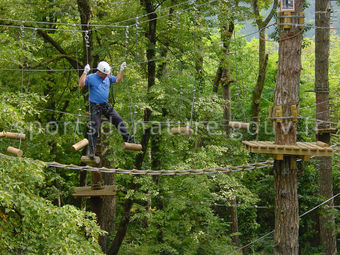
(104, 67)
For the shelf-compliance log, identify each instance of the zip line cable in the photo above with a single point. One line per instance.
(95, 25)
(287, 117)
(118, 22)
(302, 215)
(127, 82)
(113, 25)
(142, 62)
(22, 30)
(138, 63)
(194, 68)
(79, 92)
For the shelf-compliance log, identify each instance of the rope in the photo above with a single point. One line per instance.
(201, 171)
(112, 25)
(194, 69)
(79, 92)
(216, 170)
(218, 44)
(95, 25)
(22, 31)
(302, 215)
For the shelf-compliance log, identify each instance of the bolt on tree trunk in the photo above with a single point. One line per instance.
(286, 94)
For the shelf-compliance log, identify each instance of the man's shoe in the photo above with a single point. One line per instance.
(91, 155)
(131, 139)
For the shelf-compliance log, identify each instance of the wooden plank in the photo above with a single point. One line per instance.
(301, 148)
(11, 135)
(238, 125)
(326, 130)
(322, 144)
(132, 146)
(182, 130)
(87, 160)
(304, 146)
(87, 191)
(289, 149)
(315, 146)
(15, 151)
(79, 145)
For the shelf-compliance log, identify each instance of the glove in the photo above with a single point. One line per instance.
(87, 69)
(123, 66)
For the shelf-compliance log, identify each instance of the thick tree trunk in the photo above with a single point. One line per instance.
(322, 41)
(286, 208)
(286, 94)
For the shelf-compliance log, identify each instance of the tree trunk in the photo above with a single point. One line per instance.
(263, 58)
(85, 11)
(225, 76)
(232, 211)
(121, 231)
(151, 52)
(108, 203)
(286, 208)
(286, 94)
(226, 82)
(322, 41)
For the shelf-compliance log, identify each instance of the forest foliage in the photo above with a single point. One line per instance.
(171, 214)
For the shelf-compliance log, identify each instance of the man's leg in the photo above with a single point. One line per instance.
(94, 127)
(116, 120)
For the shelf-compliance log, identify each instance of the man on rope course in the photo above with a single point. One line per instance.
(99, 85)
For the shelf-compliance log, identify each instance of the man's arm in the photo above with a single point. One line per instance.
(119, 76)
(83, 76)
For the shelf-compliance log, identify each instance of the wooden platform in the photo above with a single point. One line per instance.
(326, 130)
(300, 148)
(87, 191)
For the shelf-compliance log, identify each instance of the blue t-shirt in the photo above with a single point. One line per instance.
(99, 87)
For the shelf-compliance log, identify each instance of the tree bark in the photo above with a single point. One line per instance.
(286, 94)
(322, 42)
(107, 204)
(286, 208)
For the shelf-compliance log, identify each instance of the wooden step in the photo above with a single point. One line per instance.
(87, 191)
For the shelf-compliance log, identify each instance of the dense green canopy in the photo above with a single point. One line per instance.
(42, 53)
